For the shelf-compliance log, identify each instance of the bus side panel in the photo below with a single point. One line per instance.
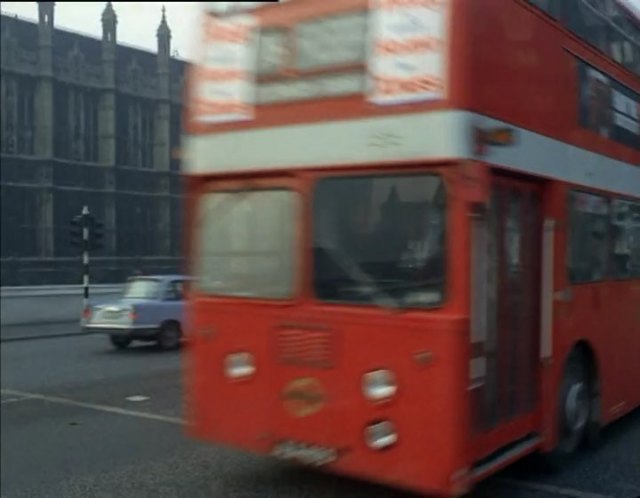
(619, 333)
(525, 72)
(605, 315)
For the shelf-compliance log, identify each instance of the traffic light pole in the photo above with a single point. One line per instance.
(87, 233)
(85, 258)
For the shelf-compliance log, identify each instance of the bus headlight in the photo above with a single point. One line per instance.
(380, 435)
(379, 385)
(239, 365)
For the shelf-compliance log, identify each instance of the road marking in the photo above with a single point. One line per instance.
(548, 488)
(13, 400)
(22, 396)
(137, 397)
(92, 406)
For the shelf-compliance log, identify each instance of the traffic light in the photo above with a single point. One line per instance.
(94, 228)
(77, 223)
(96, 234)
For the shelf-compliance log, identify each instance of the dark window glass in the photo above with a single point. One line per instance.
(588, 237)
(605, 25)
(175, 291)
(380, 240)
(625, 238)
(602, 23)
(551, 7)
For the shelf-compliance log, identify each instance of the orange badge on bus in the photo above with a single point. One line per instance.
(303, 396)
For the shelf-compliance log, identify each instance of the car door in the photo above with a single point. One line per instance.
(173, 300)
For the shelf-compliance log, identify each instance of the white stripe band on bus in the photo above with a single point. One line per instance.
(407, 137)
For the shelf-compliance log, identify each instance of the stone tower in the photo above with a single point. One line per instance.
(44, 87)
(107, 108)
(162, 145)
(163, 114)
(44, 120)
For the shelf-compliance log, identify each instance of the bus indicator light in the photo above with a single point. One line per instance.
(496, 137)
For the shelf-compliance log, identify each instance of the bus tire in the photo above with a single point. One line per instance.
(575, 421)
(593, 436)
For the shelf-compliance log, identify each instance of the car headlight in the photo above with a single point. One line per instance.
(380, 435)
(239, 365)
(379, 385)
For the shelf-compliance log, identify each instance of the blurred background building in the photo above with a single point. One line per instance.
(87, 121)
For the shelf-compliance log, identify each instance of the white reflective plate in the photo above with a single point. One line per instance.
(304, 453)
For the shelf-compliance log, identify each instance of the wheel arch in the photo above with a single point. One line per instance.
(590, 360)
(171, 321)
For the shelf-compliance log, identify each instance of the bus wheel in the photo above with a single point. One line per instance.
(574, 411)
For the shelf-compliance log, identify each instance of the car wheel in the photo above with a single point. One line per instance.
(169, 337)
(120, 342)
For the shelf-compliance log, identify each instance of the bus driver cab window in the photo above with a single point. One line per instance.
(380, 237)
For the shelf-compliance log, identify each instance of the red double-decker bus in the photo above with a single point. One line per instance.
(414, 232)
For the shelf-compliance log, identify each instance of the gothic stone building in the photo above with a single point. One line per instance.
(89, 122)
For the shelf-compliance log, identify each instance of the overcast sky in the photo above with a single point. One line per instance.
(137, 21)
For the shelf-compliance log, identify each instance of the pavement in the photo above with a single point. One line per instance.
(39, 331)
(81, 420)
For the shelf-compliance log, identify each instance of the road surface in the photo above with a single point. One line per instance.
(82, 420)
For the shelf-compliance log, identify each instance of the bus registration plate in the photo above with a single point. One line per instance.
(304, 453)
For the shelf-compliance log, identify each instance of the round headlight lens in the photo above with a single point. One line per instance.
(380, 435)
(379, 385)
(239, 365)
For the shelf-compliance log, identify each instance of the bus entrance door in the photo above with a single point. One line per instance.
(505, 316)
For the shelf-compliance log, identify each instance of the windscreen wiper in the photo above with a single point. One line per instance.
(353, 271)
